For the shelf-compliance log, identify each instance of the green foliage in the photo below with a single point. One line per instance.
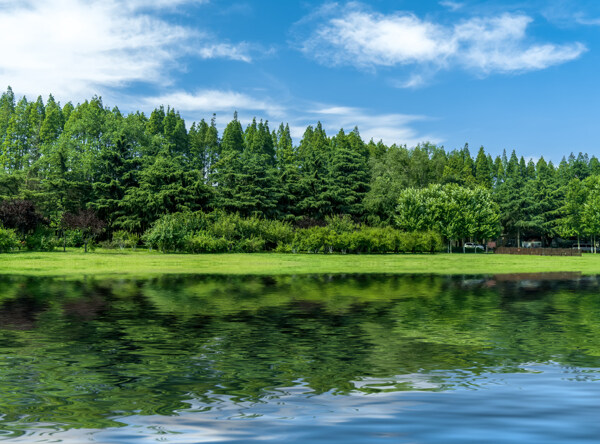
(42, 239)
(453, 211)
(204, 242)
(123, 239)
(72, 238)
(367, 240)
(8, 240)
(170, 231)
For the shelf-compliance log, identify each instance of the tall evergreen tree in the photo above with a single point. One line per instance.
(348, 179)
(314, 155)
(288, 170)
(483, 175)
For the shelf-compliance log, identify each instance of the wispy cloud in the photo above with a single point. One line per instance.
(160, 4)
(452, 6)
(355, 36)
(76, 48)
(239, 52)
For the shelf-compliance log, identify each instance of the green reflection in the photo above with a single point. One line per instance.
(81, 354)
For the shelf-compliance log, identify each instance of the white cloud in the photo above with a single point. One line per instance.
(76, 48)
(225, 50)
(160, 4)
(496, 44)
(483, 45)
(452, 6)
(373, 39)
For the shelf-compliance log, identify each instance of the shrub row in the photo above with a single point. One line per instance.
(219, 232)
(365, 240)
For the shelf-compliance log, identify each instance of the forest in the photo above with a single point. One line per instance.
(87, 174)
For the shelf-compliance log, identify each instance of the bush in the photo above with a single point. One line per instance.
(311, 240)
(251, 245)
(8, 240)
(42, 239)
(170, 231)
(275, 232)
(284, 248)
(72, 238)
(420, 242)
(203, 242)
(341, 224)
(219, 232)
(124, 239)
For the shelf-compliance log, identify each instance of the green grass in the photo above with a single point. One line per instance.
(142, 263)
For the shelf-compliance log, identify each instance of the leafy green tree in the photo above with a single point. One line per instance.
(388, 180)
(15, 146)
(590, 216)
(7, 108)
(571, 223)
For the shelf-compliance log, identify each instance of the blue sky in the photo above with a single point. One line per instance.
(503, 74)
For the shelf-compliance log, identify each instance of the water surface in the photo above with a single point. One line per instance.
(412, 359)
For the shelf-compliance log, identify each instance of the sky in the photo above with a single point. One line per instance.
(508, 75)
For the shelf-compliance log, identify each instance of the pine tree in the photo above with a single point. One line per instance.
(483, 175)
(314, 155)
(288, 174)
(15, 146)
(348, 179)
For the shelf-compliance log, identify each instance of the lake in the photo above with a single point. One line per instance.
(349, 359)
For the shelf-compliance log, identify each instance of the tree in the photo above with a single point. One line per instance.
(571, 223)
(86, 222)
(314, 156)
(288, 170)
(20, 215)
(590, 216)
(483, 175)
(164, 187)
(116, 166)
(348, 178)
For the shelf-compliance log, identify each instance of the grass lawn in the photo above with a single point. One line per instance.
(142, 263)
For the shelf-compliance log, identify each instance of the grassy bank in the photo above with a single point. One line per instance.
(142, 263)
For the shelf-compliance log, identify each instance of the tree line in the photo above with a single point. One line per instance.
(130, 170)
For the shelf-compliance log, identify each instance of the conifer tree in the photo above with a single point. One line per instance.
(483, 175)
(314, 154)
(348, 179)
(288, 173)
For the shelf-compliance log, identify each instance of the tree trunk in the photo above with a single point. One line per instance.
(518, 238)
(85, 242)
